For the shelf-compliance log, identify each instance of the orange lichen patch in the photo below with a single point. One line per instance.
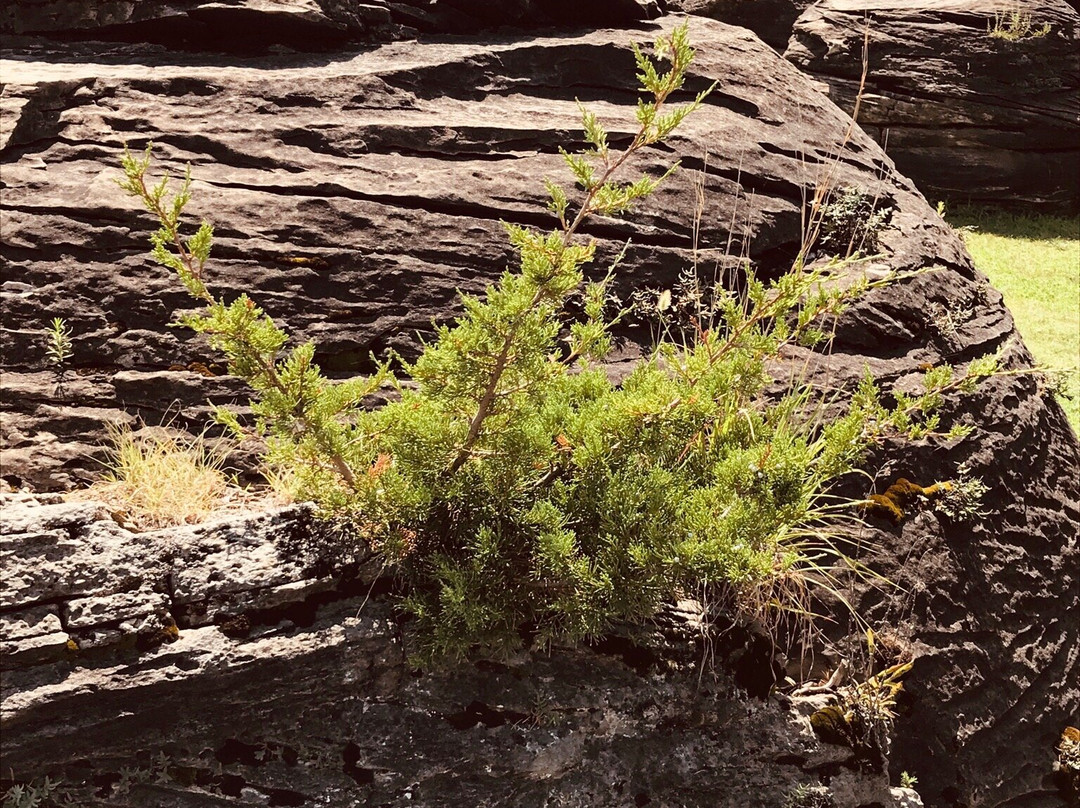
(307, 261)
(1069, 758)
(895, 504)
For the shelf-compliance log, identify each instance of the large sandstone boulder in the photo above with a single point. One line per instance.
(354, 194)
(968, 115)
(357, 195)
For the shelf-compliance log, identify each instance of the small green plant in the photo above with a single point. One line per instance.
(863, 715)
(519, 493)
(1015, 25)
(962, 499)
(58, 350)
(46, 794)
(908, 780)
(806, 796)
(851, 222)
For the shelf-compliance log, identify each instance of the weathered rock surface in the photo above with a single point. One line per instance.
(357, 194)
(207, 666)
(968, 116)
(354, 193)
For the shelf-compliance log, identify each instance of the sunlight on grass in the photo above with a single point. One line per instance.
(1035, 262)
(157, 480)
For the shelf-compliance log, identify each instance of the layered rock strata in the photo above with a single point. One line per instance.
(975, 100)
(309, 24)
(209, 666)
(354, 194)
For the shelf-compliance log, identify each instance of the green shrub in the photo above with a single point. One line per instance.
(521, 494)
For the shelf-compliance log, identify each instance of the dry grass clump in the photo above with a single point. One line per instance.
(158, 480)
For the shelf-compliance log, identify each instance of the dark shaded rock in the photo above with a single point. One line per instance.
(234, 25)
(772, 20)
(969, 116)
(354, 194)
(239, 26)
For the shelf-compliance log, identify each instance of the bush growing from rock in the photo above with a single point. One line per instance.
(521, 494)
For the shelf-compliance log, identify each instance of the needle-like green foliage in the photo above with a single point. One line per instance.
(520, 493)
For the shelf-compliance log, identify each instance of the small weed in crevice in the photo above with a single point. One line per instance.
(1015, 25)
(45, 794)
(962, 500)
(851, 222)
(159, 480)
(58, 351)
(863, 716)
(805, 796)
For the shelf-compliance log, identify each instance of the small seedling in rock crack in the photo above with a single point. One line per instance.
(1015, 25)
(806, 796)
(58, 351)
(851, 222)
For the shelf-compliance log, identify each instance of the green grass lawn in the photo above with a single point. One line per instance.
(1035, 262)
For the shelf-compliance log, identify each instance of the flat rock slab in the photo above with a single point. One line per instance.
(257, 703)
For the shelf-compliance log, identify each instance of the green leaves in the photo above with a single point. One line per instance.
(58, 343)
(518, 493)
(559, 202)
(657, 125)
(594, 132)
(581, 168)
(312, 424)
